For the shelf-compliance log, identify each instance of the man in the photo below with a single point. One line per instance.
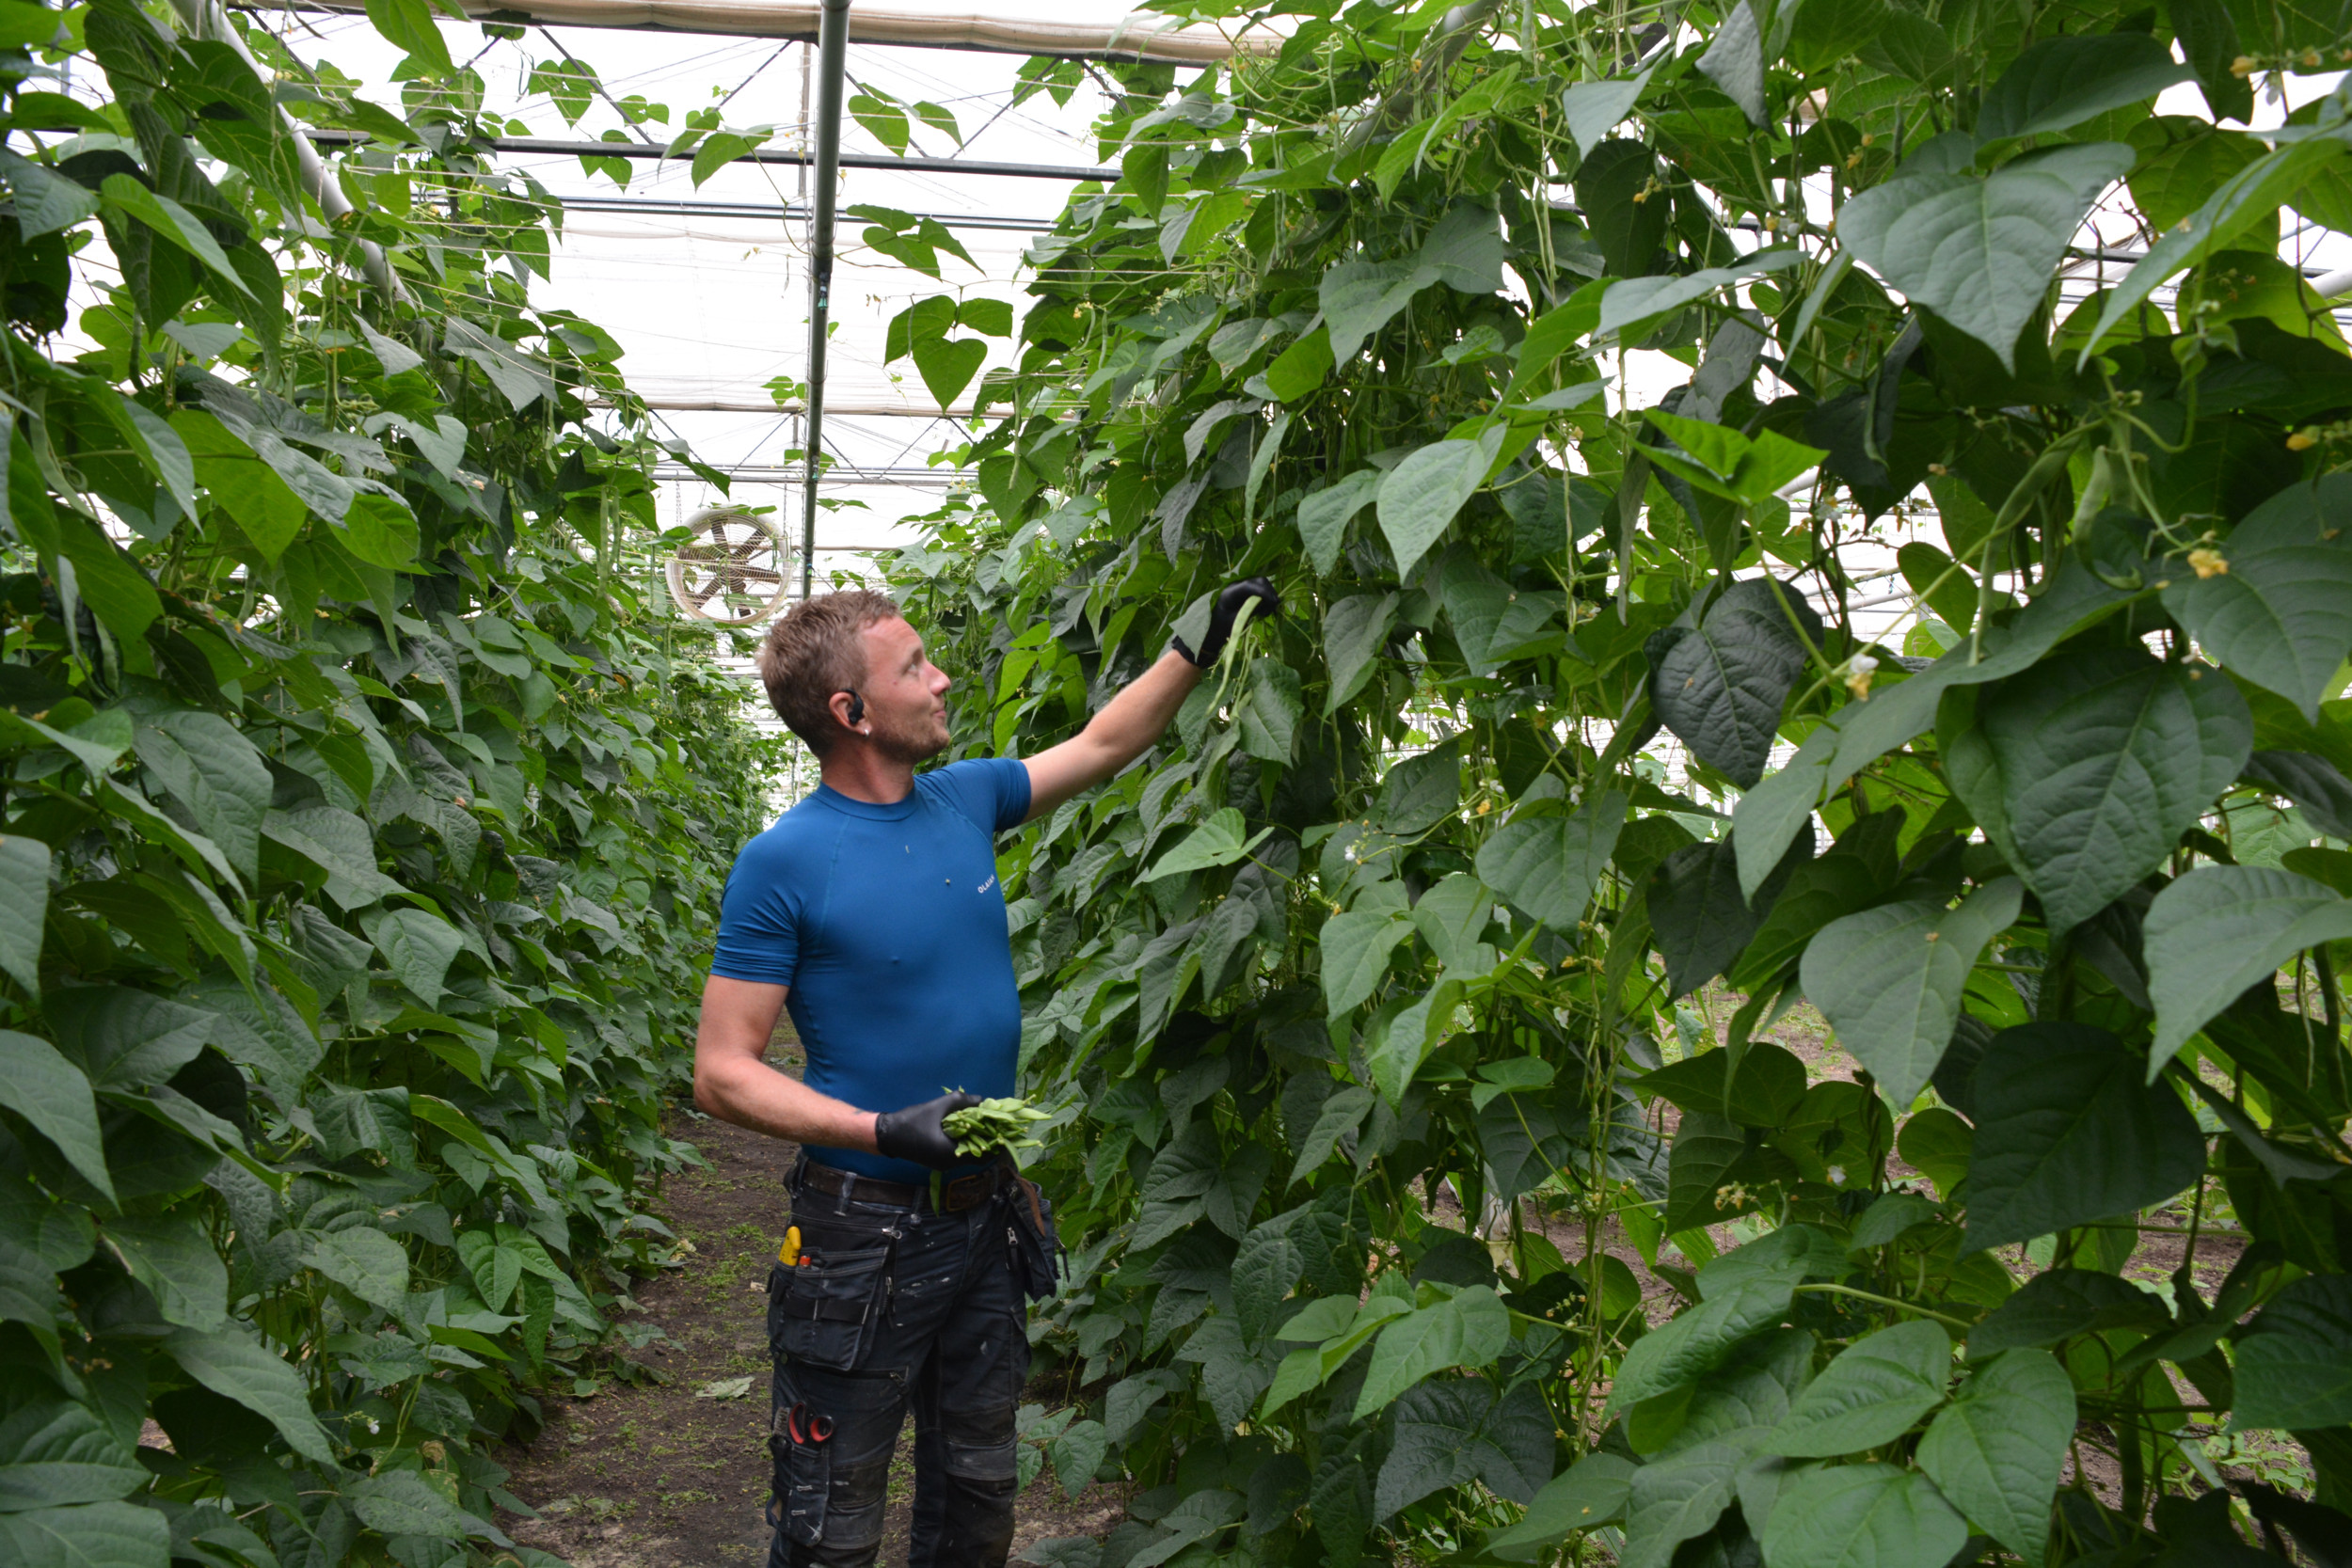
(872, 909)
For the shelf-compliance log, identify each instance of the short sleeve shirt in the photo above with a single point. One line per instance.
(887, 923)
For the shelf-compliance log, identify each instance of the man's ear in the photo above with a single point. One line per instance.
(848, 711)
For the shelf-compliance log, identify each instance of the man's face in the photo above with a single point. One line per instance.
(906, 694)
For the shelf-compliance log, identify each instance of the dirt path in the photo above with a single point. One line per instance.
(667, 1476)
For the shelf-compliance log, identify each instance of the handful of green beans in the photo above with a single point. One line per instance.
(992, 1124)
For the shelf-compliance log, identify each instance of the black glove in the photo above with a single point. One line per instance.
(915, 1134)
(1221, 616)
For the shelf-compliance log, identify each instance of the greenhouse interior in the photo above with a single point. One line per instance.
(1657, 693)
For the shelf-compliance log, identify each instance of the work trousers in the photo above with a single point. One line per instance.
(892, 1308)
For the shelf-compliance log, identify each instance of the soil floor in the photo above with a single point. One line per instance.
(674, 1474)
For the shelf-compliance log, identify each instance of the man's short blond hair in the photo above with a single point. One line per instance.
(815, 650)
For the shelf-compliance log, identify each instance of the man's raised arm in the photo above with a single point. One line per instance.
(1140, 714)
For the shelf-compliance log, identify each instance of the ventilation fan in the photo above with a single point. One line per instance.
(732, 570)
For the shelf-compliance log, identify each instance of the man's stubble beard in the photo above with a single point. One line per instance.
(912, 747)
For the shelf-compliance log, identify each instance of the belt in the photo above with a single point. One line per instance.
(964, 1192)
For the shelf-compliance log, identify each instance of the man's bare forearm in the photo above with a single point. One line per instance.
(755, 1095)
(1123, 731)
(734, 1082)
(1131, 721)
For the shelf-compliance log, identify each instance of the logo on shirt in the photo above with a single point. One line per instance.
(989, 883)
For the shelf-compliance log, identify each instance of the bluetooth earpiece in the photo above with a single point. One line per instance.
(857, 710)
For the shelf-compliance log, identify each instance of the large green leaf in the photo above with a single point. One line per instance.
(1219, 841)
(1593, 109)
(2072, 599)
(55, 1097)
(1978, 250)
(1763, 1089)
(213, 769)
(2061, 82)
(1452, 1431)
(1996, 1450)
(1747, 1398)
(1353, 630)
(2069, 1131)
(1324, 517)
(339, 843)
(402, 1502)
(1722, 462)
(23, 905)
(2102, 762)
(1678, 1498)
(1633, 300)
(1863, 1517)
(947, 365)
(2246, 197)
(410, 25)
(1857, 871)
(2062, 1303)
(1734, 60)
(2316, 786)
(239, 1367)
(265, 508)
(418, 947)
(1464, 249)
(2294, 1363)
(2280, 612)
(1549, 866)
(1694, 1344)
(1889, 979)
(368, 1263)
(1705, 1147)
(95, 1535)
(1423, 790)
(54, 1453)
(1869, 1395)
(1419, 497)
(1269, 721)
(1591, 1492)
(2220, 929)
(1769, 815)
(1721, 688)
(175, 1258)
(1354, 949)
(1701, 919)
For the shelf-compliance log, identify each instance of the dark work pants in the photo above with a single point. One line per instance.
(896, 1308)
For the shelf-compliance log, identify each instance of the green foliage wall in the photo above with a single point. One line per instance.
(364, 817)
(1361, 1059)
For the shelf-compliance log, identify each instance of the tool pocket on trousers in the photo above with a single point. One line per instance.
(1034, 1241)
(808, 1481)
(825, 1313)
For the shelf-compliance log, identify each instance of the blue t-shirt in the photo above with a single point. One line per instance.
(889, 924)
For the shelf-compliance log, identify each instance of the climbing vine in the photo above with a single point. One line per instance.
(365, 816)
(1441, 1182)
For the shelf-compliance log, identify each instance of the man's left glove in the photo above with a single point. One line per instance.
(1225, 612)
(915, 1134)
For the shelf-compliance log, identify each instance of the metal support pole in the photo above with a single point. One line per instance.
(832, 46)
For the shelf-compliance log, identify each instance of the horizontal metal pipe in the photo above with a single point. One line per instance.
(751, 211)
(728, 405)
(549, 146)
(1135, 37)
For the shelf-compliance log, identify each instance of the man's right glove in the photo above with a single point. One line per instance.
(1225, 612)
(915, 1134)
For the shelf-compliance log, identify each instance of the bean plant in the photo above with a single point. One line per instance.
(364, 817)
(1442, 1180)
